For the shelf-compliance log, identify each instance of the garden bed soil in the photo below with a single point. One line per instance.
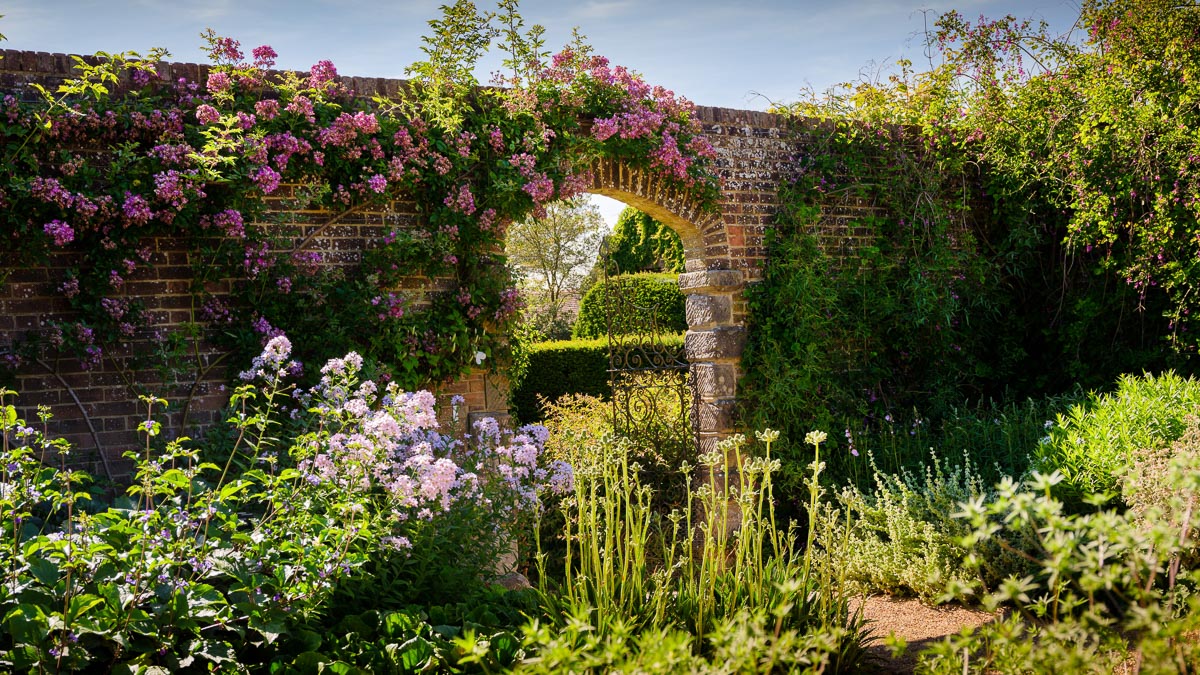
(920, 625)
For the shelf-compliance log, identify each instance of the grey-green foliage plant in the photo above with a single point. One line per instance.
(1094, 442)
(1110, 593)
(902, 539)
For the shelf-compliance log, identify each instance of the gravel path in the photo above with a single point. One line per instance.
(919, 624)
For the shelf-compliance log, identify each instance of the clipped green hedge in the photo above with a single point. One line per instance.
(552, 369)
(648, 299)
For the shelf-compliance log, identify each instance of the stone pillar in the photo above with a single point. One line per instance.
(714, 347)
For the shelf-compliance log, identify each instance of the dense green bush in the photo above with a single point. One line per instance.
(550, 370)
(1094, 443)
(640, 303)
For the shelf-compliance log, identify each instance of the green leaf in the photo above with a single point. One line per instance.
(415, 654)
(27, 624)
(44, 571)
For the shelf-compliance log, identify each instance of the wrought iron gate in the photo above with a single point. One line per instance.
(653, 401)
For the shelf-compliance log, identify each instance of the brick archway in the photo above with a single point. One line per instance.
(715, 337)
(724, 252)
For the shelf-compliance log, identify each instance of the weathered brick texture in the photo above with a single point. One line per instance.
(725, 251)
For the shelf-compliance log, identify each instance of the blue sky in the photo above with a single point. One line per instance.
(730, 53)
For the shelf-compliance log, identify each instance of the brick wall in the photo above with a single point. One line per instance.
(724, 250)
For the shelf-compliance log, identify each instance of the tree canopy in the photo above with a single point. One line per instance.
(554, 253)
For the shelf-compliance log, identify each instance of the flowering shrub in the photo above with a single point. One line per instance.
(198, 563)
(123, 156)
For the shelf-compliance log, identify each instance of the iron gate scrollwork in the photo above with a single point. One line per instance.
(653, 401)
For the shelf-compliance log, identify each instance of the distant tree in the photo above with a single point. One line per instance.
(640, 243)
(553, 255)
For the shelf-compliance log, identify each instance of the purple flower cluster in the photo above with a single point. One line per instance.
(461, 201)
(321, 76)
(136, 209)
(175, 188)
(219, 83)
(206, 114)
(267, 179)
(60, 232)
(267, 109)
(257, 259)
(265, 329)
(391, 306)
(70, 287)
(229, 222)
(302, 106)
(216, 311)
(264, 57)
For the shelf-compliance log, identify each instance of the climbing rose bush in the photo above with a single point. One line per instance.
(125, 156)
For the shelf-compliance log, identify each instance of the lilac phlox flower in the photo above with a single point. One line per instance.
(319, 469)
(540, 188)
(171, 186)
(386, 431)
(367, 389)
(302, 106)
(356, 407)
(461, 201)
(562, 477)
(276, 352)
(487, 429)
(60, 232)
(538, 432)
(437, 478)
(397, 543)
(403, 490)
(267, 179)
(229, 221)
(525, 453)
(136, 210)
(70, 287)
(114, 307)
(524, 163)
(225, 49)
(418, 409)
(377, 183)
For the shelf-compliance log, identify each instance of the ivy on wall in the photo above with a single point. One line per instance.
(118, 156)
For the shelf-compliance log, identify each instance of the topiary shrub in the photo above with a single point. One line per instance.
(1095, 442)
(551, 370)
(649, 303)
